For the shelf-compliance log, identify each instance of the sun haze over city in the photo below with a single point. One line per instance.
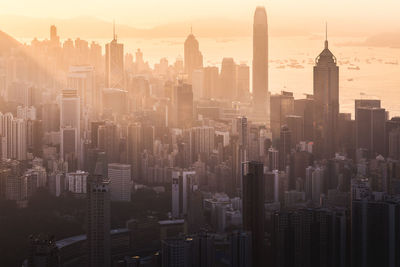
(208, 133)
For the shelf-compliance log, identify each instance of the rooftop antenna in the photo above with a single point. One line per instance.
(326, 35)
(191, 29)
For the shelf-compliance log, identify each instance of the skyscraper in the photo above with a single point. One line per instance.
(192, 56)
(260, 64)
(114, 64)
(326, 96)
(370, 130)
(120, 181)
(98, 221)
(228, 79)
(253, 208)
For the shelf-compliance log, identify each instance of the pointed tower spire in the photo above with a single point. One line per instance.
(191, 29)
(326, 35)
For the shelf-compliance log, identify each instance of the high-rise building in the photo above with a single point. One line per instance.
(242, 82)
(240, 249)
(120, 181)
(183, 184)
(260, 65)
(285, 146)
(326, 96)
(305, 109)
(77, 182)
(134, 142)
(70, 125)
(370, 130)
(98, 221)
(183, 105)
(253, 208)
(192, 56)
(114, 64)
(282, 105)
(82, 79)
(210, 82)
(296, 126)
(227, 77)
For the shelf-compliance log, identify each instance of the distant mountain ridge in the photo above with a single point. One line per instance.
(7, 43)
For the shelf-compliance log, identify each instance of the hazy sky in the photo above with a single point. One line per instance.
(148, 13)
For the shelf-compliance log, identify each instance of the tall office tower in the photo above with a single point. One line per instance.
(98, 221)
(114, 64)
(317, 184)
(305, 109)
(94, 132)
(260, 65)
(120, 181)
(7, 134)
(227, 85)
(374, 228)
(51, 117)
(82, 79)
(77, 182)
(70, 112)
(365, 103)
(370, 130)
(19, 134)
(391, 125)
(282, 105)
(134, 144)
(253, 208)
(108, 141)
(310, 237)
(326, 95)
(210, 82)
(183, 183)
(296, 126)
(285, 145)
(183, 105)
(192, 56)
(273, 159)
(203, 140)
(242, 82)
(69, 147)
(54, 38)
(240, 249)
(394, 144)
(198, 83)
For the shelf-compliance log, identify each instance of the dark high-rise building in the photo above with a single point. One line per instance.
(326, 96)
(98, 221)
(260, 64)
(391, 125)
(375, 233)
(305, 108)
(253, 208)
(134, 149)
(108, 140)
(114, 64)
(370, 130)
(285, 145)
(296, 126)
(240, 249)
(183, 105)
(192, 56)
